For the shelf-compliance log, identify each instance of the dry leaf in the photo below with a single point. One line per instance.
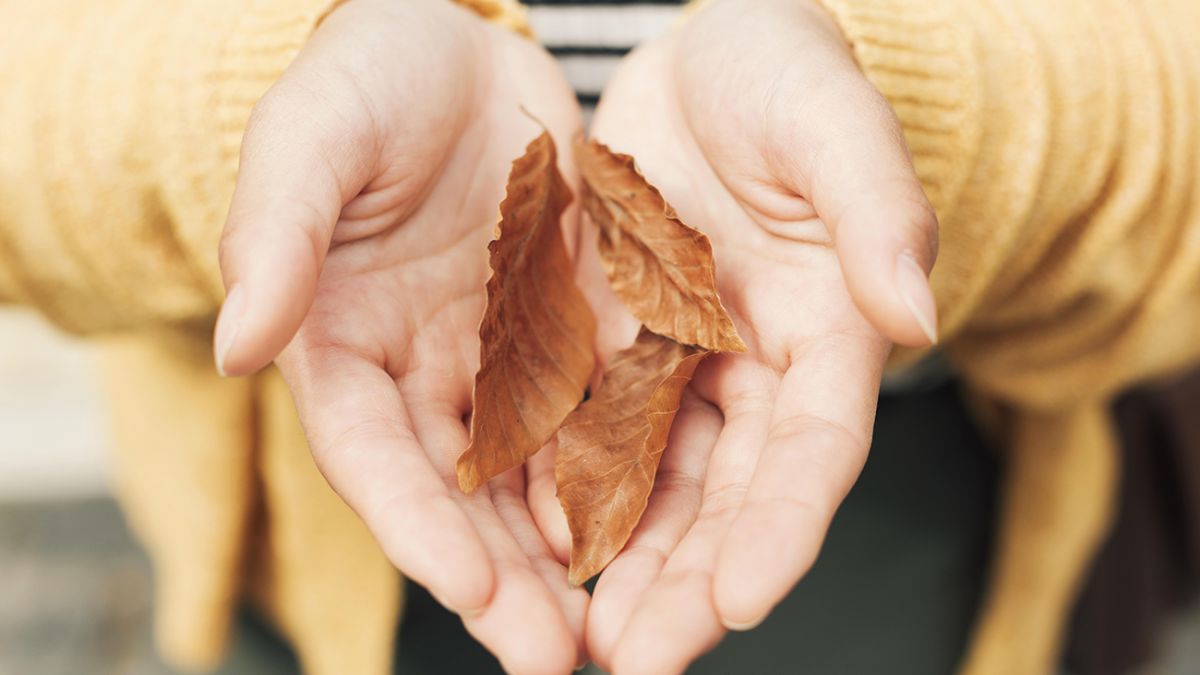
(660, 268)
(608, 449)
(537, 332)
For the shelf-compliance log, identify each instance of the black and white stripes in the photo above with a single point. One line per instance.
(589, 37)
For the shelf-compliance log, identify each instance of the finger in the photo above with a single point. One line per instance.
(302, 159)
(508, 495)
(542, 494)
(671, 510)
(676, 620)
(619, 328)
(866, 191)
(364, 444)
(819, 435)
(831, 142)
(847, 154)
(525, 624)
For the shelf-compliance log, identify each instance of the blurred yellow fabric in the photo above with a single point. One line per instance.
(1059, 143)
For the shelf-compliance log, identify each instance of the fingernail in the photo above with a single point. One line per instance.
(743, 627)
(229, 324)
(913, 286)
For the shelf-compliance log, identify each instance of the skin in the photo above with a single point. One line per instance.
(356, 247)
(755, 123)
(355, 257)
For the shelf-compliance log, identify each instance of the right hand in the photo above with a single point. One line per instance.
(757, 125)
(355, 256)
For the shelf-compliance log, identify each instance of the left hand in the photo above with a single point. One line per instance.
(757, 126)
(356, 256)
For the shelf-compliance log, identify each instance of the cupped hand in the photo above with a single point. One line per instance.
(757, 126)
(355, 255)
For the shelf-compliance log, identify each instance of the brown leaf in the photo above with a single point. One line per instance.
(608, 449)
(660, 268)
(537, 331)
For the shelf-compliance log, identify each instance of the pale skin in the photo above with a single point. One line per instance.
(355, 255)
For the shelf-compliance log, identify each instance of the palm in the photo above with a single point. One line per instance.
(772, 438)
(382, 365)
(368, 185)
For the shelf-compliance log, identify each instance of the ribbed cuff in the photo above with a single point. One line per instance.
(266, 39)
(921, 57)
(962, 105)
(216, 96)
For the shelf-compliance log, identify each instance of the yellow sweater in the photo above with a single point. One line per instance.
(1058, 141)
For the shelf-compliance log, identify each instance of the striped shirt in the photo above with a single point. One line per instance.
(589, 37)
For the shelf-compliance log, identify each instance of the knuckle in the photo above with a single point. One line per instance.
(684, 577)
(749, 401)
(656, 555)
(676, 482)
(815, 435)
(505, 494)
(799, 509)
(724, 501)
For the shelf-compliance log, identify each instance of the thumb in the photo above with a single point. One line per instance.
(828, 136)
(862, 183)
(301, 160)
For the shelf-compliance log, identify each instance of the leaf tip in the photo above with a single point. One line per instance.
(736, 344)
(467, 473)
(578, 576)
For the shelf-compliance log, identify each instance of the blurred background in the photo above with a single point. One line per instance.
(75, 590)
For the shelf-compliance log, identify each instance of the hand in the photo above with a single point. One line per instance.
(756, 125)
(356, 251)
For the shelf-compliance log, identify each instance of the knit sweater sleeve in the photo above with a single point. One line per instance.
(1060, 145)
(120, 128)
(121, 124)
